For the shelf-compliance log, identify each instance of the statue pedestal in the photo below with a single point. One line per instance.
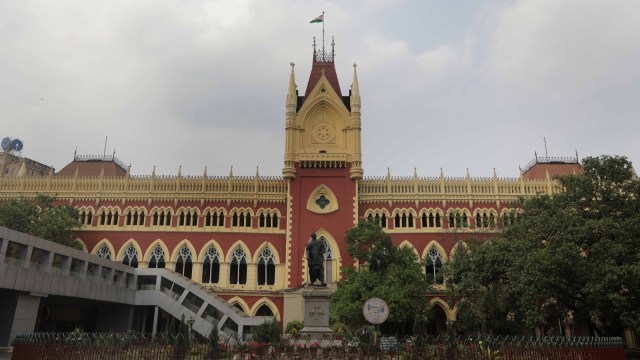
(316, 312)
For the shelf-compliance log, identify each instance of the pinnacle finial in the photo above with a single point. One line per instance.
(355, 91)
(292, 96)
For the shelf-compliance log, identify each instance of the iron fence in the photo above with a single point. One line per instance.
(129, 345)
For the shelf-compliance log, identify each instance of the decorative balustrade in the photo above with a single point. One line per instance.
(467, 188)
(146, 187)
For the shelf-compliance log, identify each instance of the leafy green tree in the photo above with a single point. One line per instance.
(569, 257)
(369, 243)
(42, 218)
(480, 276)
(395, 276)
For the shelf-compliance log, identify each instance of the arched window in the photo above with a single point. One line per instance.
(161, 218)
(266, 268)
(135, 217)
(213, 218)
(267, 219)
(86, 217)
(156, 260)
(403, 219)
(184, 264)
(238, 267)
(211, 266)
(264, 310)
(104, 252)
(431, 219)
(130, 256)
(433, 266)
(378, 218)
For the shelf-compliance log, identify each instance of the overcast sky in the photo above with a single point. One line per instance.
(444, 84)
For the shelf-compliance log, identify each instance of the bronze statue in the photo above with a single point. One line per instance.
(315, 259)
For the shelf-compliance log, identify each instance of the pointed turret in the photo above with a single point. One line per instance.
(292, 93)
(355, 91)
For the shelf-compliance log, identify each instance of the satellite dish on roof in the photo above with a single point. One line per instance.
(6, 144)
(16, 145)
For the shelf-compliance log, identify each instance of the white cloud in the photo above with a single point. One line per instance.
(200, 83)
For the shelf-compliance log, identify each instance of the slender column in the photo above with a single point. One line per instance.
(154, 330)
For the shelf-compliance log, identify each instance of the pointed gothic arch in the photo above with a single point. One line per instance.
(459, 246)
(266, 302)
(445, 306)
(84, 246)
(152, 256)
(99, 249)
(266, 266)
(183, 257)
(407, 243)
(240, 303)
(434, 258)
(238, 259)
(211, 256)
(123, 248)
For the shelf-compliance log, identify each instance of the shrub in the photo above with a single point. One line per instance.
(294, 324)
(268, 331)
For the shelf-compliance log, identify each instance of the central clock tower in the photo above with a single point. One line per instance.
(322, 164)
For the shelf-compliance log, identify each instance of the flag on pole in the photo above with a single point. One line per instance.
(319, 19)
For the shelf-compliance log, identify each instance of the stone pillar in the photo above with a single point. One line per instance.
(252, 271)
(316, 312)
(196, 271)
(154, 330)
(223, 279)
(18, 315)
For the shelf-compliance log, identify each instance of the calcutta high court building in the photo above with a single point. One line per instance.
(244, 237)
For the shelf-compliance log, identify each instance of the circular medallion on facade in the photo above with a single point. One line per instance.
(375, 310)
(323, 133)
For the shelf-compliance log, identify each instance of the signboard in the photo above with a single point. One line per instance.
(375, 310)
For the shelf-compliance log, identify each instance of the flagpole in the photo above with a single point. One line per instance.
(323, 33)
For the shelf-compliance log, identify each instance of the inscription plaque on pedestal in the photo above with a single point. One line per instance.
(316, 312)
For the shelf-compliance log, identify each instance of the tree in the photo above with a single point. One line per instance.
(42, 218)
(569, 257)
(369, 243)
(395, 275)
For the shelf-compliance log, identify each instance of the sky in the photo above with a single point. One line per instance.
(456, 85)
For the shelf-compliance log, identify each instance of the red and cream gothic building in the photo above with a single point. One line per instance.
(244, 236)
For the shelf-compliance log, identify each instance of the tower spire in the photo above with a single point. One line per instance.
(292, 93)
(355, 91)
